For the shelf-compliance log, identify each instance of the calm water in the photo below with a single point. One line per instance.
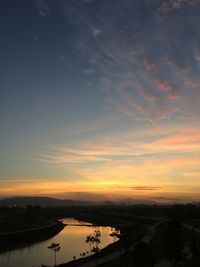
(71, 239)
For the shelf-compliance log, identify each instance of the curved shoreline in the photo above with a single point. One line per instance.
(10, 240)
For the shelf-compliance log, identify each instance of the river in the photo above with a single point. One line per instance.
(72, 241)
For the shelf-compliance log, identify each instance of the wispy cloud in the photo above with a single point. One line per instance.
(168, 6)
(149, 65)
(141, 62)
(42, 7)
(97, 31)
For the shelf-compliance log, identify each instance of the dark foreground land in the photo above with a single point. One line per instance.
(19, 227)
(159, 236)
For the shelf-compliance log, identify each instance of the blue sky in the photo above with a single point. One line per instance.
(99, 95)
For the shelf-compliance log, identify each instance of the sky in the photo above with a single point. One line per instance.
(100, 100)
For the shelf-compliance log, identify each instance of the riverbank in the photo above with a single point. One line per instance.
(13, 239)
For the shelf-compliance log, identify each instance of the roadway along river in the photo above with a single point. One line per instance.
(71, 238)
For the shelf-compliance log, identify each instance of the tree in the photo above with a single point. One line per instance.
(94, 239)
(115, 234)
(90, 241)
(97, 241)
(55, 247)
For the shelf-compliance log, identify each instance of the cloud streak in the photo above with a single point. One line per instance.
(144, 188)
(144, 145)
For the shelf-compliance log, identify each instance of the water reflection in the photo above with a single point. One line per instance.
(72, 240)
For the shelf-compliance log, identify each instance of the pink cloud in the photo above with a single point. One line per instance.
(174, 95)
(167, 87)
(164, 85)
(188, 141)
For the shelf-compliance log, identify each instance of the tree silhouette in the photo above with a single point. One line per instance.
(90, 241)
(94, 239)
(97, 241)
(115, 234)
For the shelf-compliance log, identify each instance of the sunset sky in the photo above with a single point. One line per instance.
(100, 99)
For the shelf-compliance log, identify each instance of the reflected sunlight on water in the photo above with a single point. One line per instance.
(72, 241)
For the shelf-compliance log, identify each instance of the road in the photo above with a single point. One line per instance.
(191, 227)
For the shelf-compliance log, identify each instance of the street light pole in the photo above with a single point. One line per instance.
(55, 247)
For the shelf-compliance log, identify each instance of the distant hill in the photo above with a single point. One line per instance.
(42, 201)
(54, 202)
